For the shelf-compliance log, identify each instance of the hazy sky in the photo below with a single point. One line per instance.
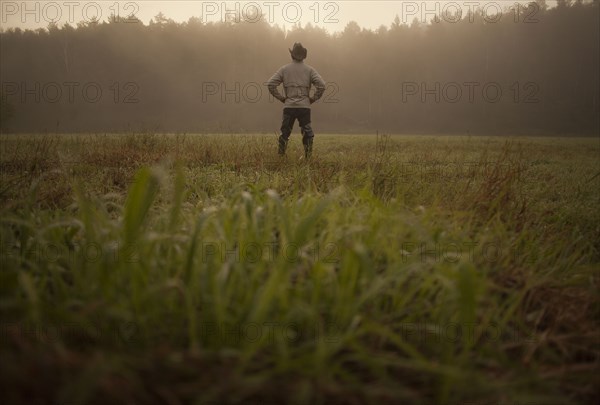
(331, 15)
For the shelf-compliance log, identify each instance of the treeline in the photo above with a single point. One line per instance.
(533, 73)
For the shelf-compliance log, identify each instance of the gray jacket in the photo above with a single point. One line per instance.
(297, 77)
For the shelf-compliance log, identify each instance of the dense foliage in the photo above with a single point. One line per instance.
(441, 77)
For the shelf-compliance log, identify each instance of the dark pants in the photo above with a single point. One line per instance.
(290, 115)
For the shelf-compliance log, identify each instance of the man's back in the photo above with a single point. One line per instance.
(297, 78)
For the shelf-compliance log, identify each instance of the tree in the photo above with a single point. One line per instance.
(6, 112)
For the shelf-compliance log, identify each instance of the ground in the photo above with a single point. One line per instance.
(183, 268)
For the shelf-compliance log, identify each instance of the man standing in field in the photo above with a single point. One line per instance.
(297, 79)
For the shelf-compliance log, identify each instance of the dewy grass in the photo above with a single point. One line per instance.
(149, 268)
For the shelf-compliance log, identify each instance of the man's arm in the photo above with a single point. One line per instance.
(272, 84)
(317, 81)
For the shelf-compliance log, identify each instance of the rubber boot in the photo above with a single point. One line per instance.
(282, 145)
(307, 142)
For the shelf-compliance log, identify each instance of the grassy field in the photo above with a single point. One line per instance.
(203, 269)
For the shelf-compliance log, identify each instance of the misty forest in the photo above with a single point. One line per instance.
(532, 72)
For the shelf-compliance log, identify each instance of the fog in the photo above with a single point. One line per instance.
(534, 71)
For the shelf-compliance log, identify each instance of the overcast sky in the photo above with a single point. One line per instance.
(331, 15)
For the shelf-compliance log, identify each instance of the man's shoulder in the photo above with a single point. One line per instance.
(296, 65)
(285, 68)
